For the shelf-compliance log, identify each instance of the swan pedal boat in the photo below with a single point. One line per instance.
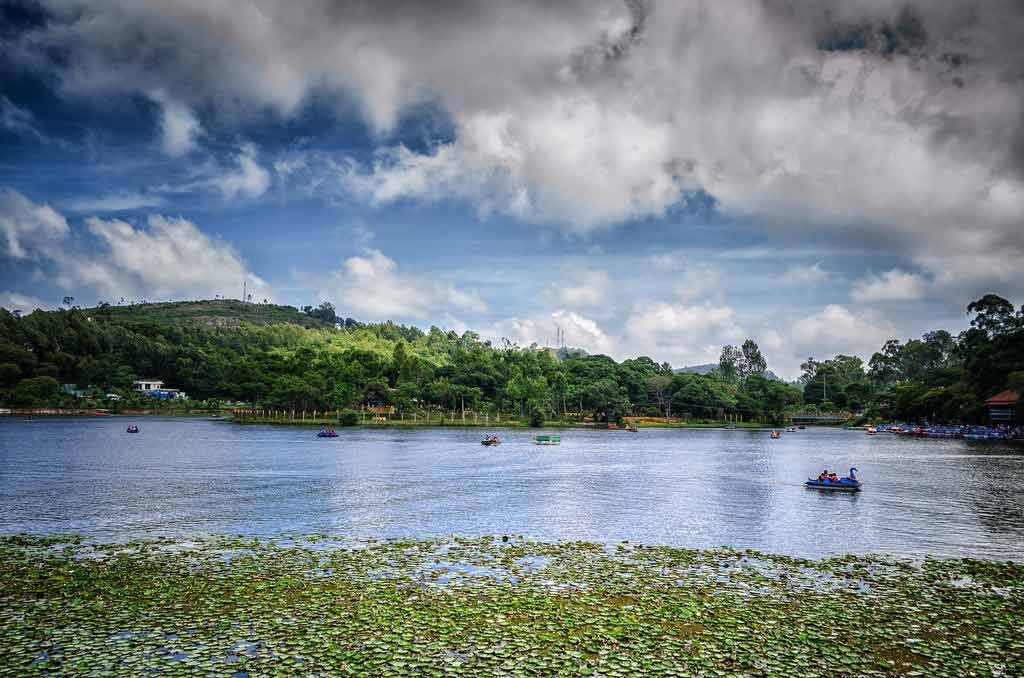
(844, 485)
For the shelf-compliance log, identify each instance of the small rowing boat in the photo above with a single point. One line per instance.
(491, 441)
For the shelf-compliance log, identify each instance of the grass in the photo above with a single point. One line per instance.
(494, 606)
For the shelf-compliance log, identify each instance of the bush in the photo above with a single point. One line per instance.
(348, 418)
(537, 417)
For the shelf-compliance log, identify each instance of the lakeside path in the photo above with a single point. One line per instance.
(494, 606)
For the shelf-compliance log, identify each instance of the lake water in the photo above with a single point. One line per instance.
(693, 488)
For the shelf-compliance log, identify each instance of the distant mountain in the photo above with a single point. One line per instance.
(707, 367)
(697, 369)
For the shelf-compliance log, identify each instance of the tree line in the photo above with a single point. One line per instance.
(345, 364)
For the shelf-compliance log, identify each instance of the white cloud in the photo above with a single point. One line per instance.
(249, 179)
(15, 301)
(682, 334)
(372, 287)
(805, 274)
(542, 329)
(699, 281)
(178, 125)
(115, 202)
(169, 258)
(837, 329)
(894, 285)
(28, 228)
(581, 286)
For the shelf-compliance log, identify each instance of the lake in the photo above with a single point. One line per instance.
(691, 488)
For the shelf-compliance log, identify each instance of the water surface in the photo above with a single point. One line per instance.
(693, 488)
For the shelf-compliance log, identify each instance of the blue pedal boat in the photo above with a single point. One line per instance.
(844, 485)
(848, 484)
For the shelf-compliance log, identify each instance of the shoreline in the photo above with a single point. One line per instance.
(498, 604)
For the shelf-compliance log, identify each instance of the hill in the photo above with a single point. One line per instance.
(697, 369)
(707, 368)
(207, 313)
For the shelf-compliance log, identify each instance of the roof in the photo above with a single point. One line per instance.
(1007, 397)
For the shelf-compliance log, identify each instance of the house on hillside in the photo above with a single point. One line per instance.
(155, 388)
(1002, 407)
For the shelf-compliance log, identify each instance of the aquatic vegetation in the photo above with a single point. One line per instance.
(494, 606)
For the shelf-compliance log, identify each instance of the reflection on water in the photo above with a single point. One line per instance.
(686, 488)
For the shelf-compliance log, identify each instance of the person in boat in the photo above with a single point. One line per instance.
(823, 476)
(833, 478)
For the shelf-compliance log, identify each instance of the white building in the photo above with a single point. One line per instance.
(144, 385)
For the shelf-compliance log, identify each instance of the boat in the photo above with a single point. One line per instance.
(327, 433)
(801, 427)
(632, 428)
(775, 435)
(547, 440)
(872, 431)
(847, 484)
(790, 430)
(491, 441)
(132, 428)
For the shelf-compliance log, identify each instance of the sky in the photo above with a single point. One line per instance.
(654, 178)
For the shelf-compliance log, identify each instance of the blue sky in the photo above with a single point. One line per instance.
(655, 178)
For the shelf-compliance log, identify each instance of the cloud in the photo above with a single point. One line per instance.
(371, 286)
(248, 179)
(27, 228)
(680, 333)
(15, 301)
(894, 285)
(19, 121)
(115, 202)
(541, 329)
(584, 115)
(837, 329)
(178, 125)
(581, 286)
(805, 274)
(168, 258)
(699, 281)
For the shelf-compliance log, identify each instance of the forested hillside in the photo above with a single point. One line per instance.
(279, 356)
